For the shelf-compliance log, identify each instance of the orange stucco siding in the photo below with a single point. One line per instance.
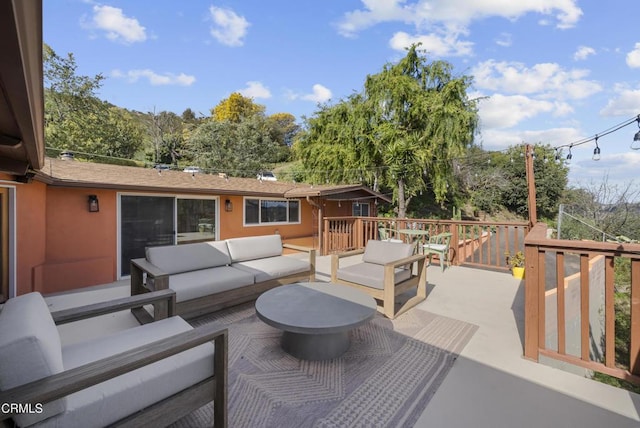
(62, 246)
(30, 219)
(232, 223)
(81, 246)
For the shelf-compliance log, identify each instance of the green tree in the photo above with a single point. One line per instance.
(76, 119)
(236, 108)
(241, 149)
(283, 128)
(550, 179)
(167, 136)
(403, 131)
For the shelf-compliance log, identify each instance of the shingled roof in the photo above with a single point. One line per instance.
(73, 173)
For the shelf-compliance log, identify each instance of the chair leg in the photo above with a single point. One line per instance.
(442, 262)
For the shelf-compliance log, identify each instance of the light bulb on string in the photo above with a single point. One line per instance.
(596, 151)
(635, 145)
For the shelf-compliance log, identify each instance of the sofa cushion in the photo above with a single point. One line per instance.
(204, 282)
(254, 247)
(114, 399)
(272, 267)
(183, 258)
(371, 274)
(30, 349)
(382, 252)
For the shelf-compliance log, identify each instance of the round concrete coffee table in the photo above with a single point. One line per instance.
(315, 317)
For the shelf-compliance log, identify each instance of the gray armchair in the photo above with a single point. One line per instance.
(387, 270)
(150, 375)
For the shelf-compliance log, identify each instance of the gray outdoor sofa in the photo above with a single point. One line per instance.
(209, 276)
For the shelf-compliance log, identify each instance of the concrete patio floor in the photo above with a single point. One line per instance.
(490, 384)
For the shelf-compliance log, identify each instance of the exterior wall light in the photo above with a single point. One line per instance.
(94, 205)
(228, 205)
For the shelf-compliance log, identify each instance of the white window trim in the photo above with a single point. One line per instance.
(260, 223)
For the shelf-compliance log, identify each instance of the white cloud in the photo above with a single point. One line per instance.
(424, 13)
(583, 53)
(320, 94)
(255, 90)
(633, 57)
(546, 79)
(118, 27)
(496, 139)
(504, 40)
(500, 111)
(434, 44)
(626, 102)
(228, 27)
(154, 78)
(618, 168)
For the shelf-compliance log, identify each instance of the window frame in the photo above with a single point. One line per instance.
(269, 223)
(359, 204)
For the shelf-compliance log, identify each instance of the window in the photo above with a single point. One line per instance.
(262, 211)
(360, 210)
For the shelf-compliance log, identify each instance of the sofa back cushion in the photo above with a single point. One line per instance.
(30, 349)
(189, 257)
(254, 247)
(382, 252)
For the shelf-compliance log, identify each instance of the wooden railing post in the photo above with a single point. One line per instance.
(453, 244)
(325, 237)
(533, 298)
(634, 348)
(358, 233)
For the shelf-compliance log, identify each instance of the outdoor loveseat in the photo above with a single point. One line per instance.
(209, 276)
(150, 375)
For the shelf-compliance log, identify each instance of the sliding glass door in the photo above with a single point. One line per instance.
(145, 221)
(150, 221)
(196, 220)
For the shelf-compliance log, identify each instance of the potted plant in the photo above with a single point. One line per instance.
(517, 263)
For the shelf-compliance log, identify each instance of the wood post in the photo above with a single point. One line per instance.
(531, 184)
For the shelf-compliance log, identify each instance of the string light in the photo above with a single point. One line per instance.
(635, 145)
(596, 151)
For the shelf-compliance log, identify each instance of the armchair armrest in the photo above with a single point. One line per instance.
(57, 386)
(335, 261)
(348, 253)
(406, 260)
(164, 302)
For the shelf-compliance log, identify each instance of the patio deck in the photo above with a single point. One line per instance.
(490, 385)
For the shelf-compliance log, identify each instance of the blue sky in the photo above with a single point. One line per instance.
(554, 71)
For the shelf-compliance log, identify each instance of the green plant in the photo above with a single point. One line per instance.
(517, 260)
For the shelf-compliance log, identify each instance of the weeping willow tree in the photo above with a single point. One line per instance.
(402, 132)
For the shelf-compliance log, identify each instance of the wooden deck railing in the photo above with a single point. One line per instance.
(550, 285)
(570, 313)
(480, 244)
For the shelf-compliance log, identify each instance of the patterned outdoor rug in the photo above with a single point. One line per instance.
(385, 379)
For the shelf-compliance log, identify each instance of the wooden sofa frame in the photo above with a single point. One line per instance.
(159, 280)
(162, 413)
(388, 294)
